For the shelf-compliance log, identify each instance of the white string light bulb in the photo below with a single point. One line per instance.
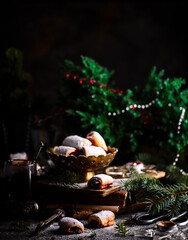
(134, 106)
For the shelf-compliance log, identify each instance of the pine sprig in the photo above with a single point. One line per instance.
(174, 175)
(170, 198)
(121, 227)
(139, 181)
(94, 71)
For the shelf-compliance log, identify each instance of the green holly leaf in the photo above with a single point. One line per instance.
(184, 96)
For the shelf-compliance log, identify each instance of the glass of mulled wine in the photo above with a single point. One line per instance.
(19, 175)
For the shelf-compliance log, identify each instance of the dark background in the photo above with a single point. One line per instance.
(127, 36)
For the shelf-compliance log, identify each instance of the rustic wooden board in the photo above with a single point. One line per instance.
(160, 174)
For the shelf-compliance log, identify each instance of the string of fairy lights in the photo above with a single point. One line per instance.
(127, 109)
(134, 106)
(178, 132)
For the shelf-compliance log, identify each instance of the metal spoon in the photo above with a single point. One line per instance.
(38, 152)
(58, 213)
(149, 219)
(181, 219)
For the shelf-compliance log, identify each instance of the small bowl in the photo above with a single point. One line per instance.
(116, 172)
(166, 226)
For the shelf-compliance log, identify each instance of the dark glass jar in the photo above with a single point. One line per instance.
(18, 174)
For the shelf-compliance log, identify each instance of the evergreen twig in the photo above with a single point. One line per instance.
(121, 227)
(171, 199)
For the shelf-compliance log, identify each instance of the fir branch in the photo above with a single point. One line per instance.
(132, 220)
(121, 227)
(170, 199)
(138, 181)
(62, 176)
(174, 175)
(94, 71)
(71, 67)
